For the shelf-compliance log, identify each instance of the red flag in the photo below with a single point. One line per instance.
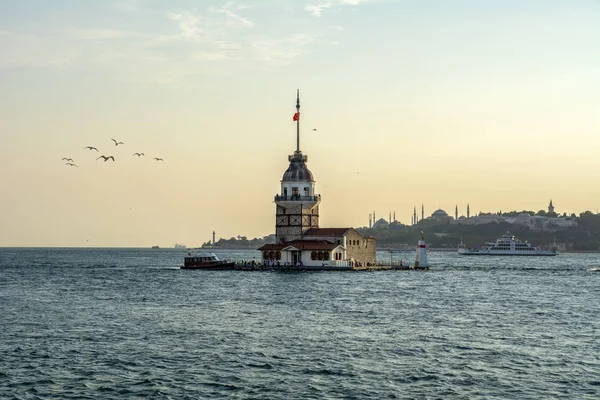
(296, 116)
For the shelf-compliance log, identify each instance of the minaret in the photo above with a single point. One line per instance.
(415, 216)
(297, 206)
(390, 218)
(468, 211)
(394, 215)
(370, 225)
(550, 207)
(422, 211)
(374, 220)
(456, 213)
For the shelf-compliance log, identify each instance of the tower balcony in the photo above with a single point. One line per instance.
(296, 200)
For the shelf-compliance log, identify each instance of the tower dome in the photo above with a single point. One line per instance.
(297, 171)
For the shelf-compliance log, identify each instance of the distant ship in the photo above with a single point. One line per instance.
(155, 247)
(179, 246)
(507, 245)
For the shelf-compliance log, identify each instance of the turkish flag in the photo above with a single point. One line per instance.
(296, 116)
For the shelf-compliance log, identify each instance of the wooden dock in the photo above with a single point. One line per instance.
(390, 268)
(291, 268)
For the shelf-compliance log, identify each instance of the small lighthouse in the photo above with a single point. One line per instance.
(421, 255)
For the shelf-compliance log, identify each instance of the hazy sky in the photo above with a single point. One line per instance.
(494, 103)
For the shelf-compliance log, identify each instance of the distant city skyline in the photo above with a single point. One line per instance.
(490, 103)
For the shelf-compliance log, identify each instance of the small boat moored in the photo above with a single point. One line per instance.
(206, 261)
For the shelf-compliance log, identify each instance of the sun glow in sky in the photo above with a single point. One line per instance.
(492, 103)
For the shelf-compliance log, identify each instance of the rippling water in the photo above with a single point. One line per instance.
(127, 323)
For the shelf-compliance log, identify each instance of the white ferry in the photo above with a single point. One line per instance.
(507, 245)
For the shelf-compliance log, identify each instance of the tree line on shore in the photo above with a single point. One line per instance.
(240, 242)
(583, 237)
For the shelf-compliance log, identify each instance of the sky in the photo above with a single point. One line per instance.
(494, 103)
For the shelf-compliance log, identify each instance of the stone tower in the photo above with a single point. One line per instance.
(297, 205)
(550, 208)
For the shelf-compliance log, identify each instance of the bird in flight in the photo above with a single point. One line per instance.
(138, 154)
(71, 164)
(117, 143)
(90, 148)
(314, 129)
(106, 158)
(67, 159)
(158, 159)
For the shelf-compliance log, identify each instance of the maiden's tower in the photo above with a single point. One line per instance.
(297, 204)
(299, 240)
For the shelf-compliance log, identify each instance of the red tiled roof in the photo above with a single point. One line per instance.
(272, 246)
(326, 231)
(312, 245)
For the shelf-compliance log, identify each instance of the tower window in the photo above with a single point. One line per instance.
(305, 192)
(294, 191)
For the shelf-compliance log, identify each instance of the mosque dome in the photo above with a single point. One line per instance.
(298, 171)
(380, 222)
(439, 214)
(522, 218)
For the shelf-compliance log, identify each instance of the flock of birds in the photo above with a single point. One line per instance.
(71, 163)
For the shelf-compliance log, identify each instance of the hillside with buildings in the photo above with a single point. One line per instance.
(544, 228)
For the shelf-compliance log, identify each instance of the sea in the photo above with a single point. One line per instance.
(126, 323)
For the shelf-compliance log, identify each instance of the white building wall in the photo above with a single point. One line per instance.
(286, 257)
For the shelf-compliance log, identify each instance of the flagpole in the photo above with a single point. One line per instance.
(298, 121)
